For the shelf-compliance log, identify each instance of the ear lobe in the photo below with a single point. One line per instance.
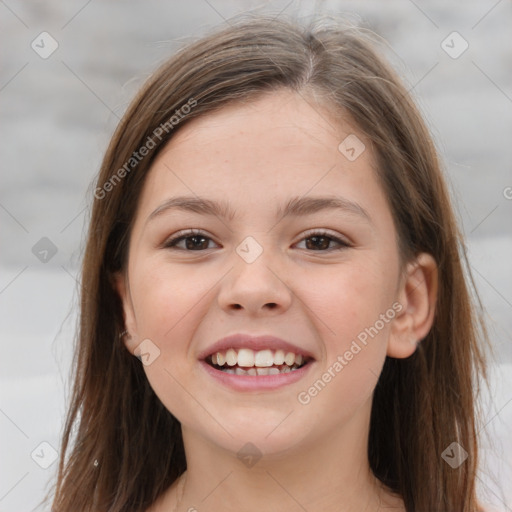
(418, 296)
(121, 285)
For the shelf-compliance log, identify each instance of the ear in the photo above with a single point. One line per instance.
(418, 296)
(122, 286)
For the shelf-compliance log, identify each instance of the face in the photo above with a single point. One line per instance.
(326, 280)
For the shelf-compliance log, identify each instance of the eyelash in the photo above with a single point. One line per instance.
(183, 235)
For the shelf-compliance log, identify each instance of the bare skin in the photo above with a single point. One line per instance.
(319, 296)
(388, 502)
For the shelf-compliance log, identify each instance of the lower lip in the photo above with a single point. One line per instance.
(256, 382)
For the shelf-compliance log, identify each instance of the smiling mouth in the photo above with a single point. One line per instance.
(264, 362)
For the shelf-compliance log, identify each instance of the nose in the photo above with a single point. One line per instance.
(256, 287)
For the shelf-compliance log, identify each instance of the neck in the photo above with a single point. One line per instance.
(330, 474)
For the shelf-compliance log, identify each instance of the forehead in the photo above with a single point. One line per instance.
(282, 120)
(261, 153)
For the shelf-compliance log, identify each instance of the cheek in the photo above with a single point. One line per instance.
(348, 300)
(169, 305)
(167, 298)
(348, 306)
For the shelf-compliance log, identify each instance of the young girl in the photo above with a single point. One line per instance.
(274, 311)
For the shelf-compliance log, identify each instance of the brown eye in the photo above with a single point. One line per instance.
(194, 241)
(321, 240)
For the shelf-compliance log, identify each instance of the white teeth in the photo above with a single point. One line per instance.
(264, 358)
(259, 371)
(248, 358)
(231, 357)
(289, 359)
(279, 357)
(245, 357)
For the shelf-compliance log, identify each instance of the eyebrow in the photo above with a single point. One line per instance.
(296, 206)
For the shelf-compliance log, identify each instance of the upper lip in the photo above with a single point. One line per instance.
(255, 343)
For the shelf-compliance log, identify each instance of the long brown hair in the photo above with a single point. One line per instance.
(121, 448)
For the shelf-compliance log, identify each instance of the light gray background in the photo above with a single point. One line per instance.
(58, 114)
